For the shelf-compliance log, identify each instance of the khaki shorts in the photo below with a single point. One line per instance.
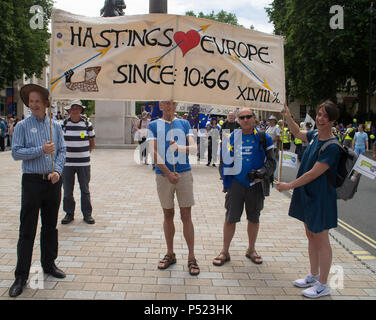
(183, 189)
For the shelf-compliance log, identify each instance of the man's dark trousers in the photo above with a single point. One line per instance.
(37, 194)
(83, 174)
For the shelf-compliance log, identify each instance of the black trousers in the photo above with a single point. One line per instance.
(2, 143)
(83, 175)
(37, 195)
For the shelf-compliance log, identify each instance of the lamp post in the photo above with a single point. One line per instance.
(371, 10)
(157, 6)
(113, 119)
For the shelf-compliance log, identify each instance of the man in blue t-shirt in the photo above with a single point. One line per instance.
(171, 140)
(244, 153)
(360, 142)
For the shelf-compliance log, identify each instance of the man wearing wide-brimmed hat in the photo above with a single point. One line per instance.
(79, 138)
(35, 141)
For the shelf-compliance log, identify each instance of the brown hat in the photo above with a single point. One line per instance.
(25, 92)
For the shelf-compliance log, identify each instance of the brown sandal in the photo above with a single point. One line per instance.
(222, 260)
(254, 256)
(192, 265)
(167, 261)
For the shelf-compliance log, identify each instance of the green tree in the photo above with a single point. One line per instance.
(320, 60)
(23, 50)
(90, 107)
(221, 16)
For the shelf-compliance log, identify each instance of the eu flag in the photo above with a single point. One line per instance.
(193, 116)
(202, 120)
(157, 113)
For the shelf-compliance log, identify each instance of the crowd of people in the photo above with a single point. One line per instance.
(53, 152)
(7, 126)
(209, 138)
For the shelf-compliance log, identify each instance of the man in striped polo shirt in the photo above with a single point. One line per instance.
(79, 138)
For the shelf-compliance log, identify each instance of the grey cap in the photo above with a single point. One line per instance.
(77, 102)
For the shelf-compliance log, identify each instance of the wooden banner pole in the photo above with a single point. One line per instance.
(281, 155)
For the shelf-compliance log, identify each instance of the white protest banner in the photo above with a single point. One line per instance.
(289, 159)
(308, 119)
(159, 57)
(365, 166)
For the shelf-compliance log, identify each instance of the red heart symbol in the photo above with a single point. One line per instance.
(187, 41)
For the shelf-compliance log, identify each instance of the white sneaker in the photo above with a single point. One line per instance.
(317, 291)
(308, 281)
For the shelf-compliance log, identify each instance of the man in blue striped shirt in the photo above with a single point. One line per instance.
(41, 184)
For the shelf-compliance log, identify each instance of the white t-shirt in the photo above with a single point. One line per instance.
(273, 132)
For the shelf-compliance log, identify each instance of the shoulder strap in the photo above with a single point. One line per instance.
(64, 125)
(262, 139)
(323, 147)
(328, 143)
(86, 124)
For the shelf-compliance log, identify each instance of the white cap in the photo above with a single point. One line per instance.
(77, 102)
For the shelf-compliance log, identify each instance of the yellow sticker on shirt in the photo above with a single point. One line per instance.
(82, 135)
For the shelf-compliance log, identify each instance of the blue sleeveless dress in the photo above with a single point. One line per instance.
(315, 204)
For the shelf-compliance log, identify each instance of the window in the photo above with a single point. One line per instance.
(3, 107)
(303, 111)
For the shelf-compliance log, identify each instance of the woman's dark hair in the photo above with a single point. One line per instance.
(330, 108)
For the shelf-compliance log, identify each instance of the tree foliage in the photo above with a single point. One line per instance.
(23, 50)
(320, 60)
(221, 16)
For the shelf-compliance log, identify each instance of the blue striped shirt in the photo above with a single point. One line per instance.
(29, 136)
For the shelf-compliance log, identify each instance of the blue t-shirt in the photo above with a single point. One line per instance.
(3, 129)
(247, 151)
(316, 202)
(361, 139)
(160, 130)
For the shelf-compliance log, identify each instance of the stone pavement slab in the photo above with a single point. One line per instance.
(117, 257)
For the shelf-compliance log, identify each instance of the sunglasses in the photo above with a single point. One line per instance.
(248, 116)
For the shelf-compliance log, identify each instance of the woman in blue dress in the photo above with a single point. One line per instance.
(314, 200)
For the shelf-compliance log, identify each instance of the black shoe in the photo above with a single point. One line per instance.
(17, 287)
(67, 219)
(214, 165)
(208, 164)
(89, 219)
(54, 271)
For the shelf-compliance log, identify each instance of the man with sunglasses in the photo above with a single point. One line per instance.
(245, 161)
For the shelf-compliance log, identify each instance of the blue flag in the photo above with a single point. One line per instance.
(202, 120)
(157, 113)
(193, 116)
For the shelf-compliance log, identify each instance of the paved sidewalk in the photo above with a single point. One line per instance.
(117, 257)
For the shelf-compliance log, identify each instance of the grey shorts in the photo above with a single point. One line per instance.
(237, 196)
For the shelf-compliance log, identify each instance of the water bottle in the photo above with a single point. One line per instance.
(354, 175)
